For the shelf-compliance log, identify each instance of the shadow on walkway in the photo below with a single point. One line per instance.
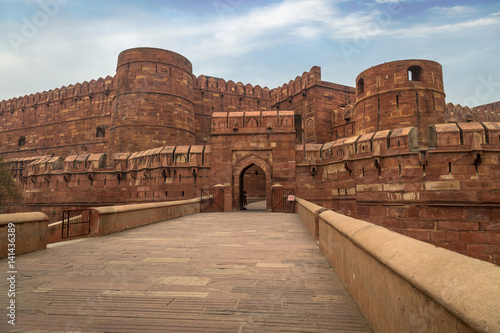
(256, 206)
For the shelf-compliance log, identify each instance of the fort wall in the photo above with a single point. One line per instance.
(391, 152)
(52, 184)
(315, 103)
(64, 121)
(447, 195)
(216, 95)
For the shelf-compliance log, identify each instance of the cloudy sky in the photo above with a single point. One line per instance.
(46, 44)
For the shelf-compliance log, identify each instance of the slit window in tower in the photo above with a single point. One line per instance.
(361, 86)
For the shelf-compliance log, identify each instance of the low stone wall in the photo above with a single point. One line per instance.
(54, 232)
(404, 285)
(29, 230)
(32, 231)
(309, 213)
(107, 220)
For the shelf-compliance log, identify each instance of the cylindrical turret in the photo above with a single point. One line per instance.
(400, 94)
(153, 106)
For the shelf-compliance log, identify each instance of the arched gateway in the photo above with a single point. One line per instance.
(240, 169)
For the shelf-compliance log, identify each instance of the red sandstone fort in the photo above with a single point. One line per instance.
(389, 151)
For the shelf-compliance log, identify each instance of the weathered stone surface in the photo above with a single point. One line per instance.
(239, 272)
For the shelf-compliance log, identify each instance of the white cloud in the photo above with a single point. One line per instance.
(452, 12)
(73, 48)
(426, 31)
(389, 1)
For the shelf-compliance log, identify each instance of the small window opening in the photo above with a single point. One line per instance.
(100, 132)
(415, 73)
(182, 193)
(449, 168)
(22, 141)
(399, 170)
(166, 193)
(397, 101)
(361, 86)
(423, 169)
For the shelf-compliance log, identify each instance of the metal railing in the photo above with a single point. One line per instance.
(75, 223)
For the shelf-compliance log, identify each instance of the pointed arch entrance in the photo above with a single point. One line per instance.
(253, 188)
(252, 168)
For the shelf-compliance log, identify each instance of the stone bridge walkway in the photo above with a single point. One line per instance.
(212, 272)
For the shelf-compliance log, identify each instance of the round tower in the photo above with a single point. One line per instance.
(400, 94)
(153, 105)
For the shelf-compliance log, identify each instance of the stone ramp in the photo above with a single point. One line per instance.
(212, 272)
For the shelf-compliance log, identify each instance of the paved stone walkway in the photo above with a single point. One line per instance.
(213, 272)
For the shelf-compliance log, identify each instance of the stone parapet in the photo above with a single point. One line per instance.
(403, 285)
(29, 230)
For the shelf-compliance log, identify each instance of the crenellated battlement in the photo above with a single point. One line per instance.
(294, 87)
(458, 113)
(213, 84)
(71, 92)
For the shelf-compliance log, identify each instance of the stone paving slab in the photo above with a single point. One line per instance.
(213, 272)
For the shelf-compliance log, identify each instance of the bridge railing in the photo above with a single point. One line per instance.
(404, 285)
(31, 231)
(108, 220)
(22, 233)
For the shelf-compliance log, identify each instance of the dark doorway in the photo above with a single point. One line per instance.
(253, 188)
